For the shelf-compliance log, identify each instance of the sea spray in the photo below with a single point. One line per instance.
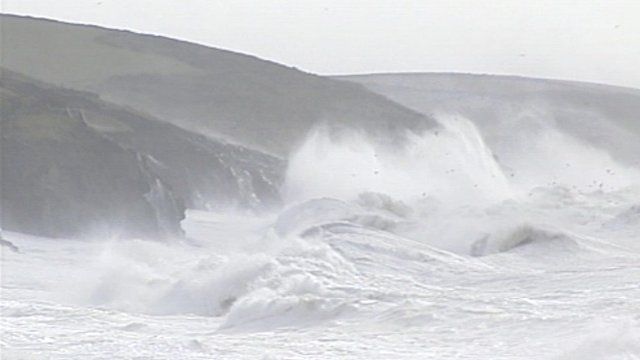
(451, 163)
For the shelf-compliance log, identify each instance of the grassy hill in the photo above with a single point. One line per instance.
(219, 93)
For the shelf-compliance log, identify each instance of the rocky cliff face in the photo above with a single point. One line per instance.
(73, 164)
(61, 178)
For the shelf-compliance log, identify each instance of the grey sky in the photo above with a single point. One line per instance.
(596, 41)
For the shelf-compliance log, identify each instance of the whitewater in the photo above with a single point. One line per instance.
(433, 247)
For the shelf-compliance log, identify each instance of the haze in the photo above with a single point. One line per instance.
(594, 41)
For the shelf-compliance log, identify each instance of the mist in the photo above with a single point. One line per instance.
(165, 199)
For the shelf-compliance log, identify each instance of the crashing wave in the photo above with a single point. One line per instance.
(371, 210)
(524, 238)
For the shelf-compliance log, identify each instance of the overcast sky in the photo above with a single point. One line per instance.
(587, 40)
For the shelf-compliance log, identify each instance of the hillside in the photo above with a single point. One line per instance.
(511, 111)
(215, 92)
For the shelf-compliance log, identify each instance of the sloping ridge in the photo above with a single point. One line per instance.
(215, 92)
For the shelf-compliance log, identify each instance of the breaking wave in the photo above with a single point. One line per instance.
(436, 233)
(442, 198)
(450, 162)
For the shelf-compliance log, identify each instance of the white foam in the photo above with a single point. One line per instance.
(451, 163)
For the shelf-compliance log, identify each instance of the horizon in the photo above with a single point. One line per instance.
(590, 62)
